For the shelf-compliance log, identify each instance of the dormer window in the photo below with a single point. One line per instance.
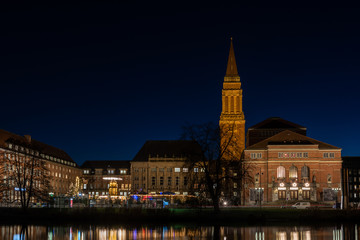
(111, 171)
(10, 146)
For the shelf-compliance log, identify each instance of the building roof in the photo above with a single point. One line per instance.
(231, 70)
(26, 141)
(106, 164)
(288, 137)
(276, 123)
(351, 162)
(167, 148)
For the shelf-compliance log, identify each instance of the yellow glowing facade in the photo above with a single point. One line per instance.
(113, 188)
(232, 119)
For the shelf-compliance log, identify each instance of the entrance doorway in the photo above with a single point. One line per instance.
(294, 194)
(306, 194)
(282, 194)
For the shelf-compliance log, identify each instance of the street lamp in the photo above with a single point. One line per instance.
(260, 173)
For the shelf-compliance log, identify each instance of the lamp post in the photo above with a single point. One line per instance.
(260, 173)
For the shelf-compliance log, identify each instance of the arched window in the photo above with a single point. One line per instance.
(280, 172)
(305, 172)
(293, 172)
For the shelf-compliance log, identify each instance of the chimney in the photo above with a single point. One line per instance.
(28, 138)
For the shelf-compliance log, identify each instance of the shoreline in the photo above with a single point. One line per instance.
(133, 216)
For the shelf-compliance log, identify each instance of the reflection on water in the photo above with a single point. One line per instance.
(339, 232)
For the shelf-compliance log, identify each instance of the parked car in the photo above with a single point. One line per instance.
(301, 205)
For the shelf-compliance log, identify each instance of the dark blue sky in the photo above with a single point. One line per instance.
(97, 79)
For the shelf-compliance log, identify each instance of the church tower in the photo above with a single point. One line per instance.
(232, 119)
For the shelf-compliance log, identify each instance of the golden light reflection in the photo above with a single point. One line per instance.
(179, 232)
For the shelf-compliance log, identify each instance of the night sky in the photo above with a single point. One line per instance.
(99, 78)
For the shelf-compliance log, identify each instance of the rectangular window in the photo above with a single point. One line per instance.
(177, 181)
(235, 185)
(329, 155)
(84, 186)
(255, 155)
(177, 170)
(161, 181)
(186, 170)
(153, 169)
(299, 155)
(153, 181)
(169, 181)
(280, 155)
(161, 169)
(196, 170)
(185, 181)
(305, 154)
(196, 186)
(169, 169)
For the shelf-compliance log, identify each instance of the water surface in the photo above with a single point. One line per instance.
(333, 232)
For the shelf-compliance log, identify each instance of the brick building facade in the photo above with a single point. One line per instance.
(160, 167)
(106, 179)
(59, 168)
(290, 166)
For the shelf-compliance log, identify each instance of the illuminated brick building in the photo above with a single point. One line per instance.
(160, 166)
(292, 166)
(61, 170)
(232, 118)
(106, 179)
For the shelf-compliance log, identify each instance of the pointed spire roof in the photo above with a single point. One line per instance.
(231, 70)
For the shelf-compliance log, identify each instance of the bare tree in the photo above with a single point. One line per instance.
(25, 175)
(220, 171)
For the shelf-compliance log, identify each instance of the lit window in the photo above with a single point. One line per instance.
(293, 172)
(281, 172)
(255, 155)
(177, 169)
(196, 170)
(185, 169)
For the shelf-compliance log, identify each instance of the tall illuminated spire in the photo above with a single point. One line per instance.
(231, 70)
(232, 119)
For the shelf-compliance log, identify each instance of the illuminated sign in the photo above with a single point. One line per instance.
(294, 184)
(307, 184)
(305, 188)
(112, 178)
(294, 188)
(281, 188)
(282, 184)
